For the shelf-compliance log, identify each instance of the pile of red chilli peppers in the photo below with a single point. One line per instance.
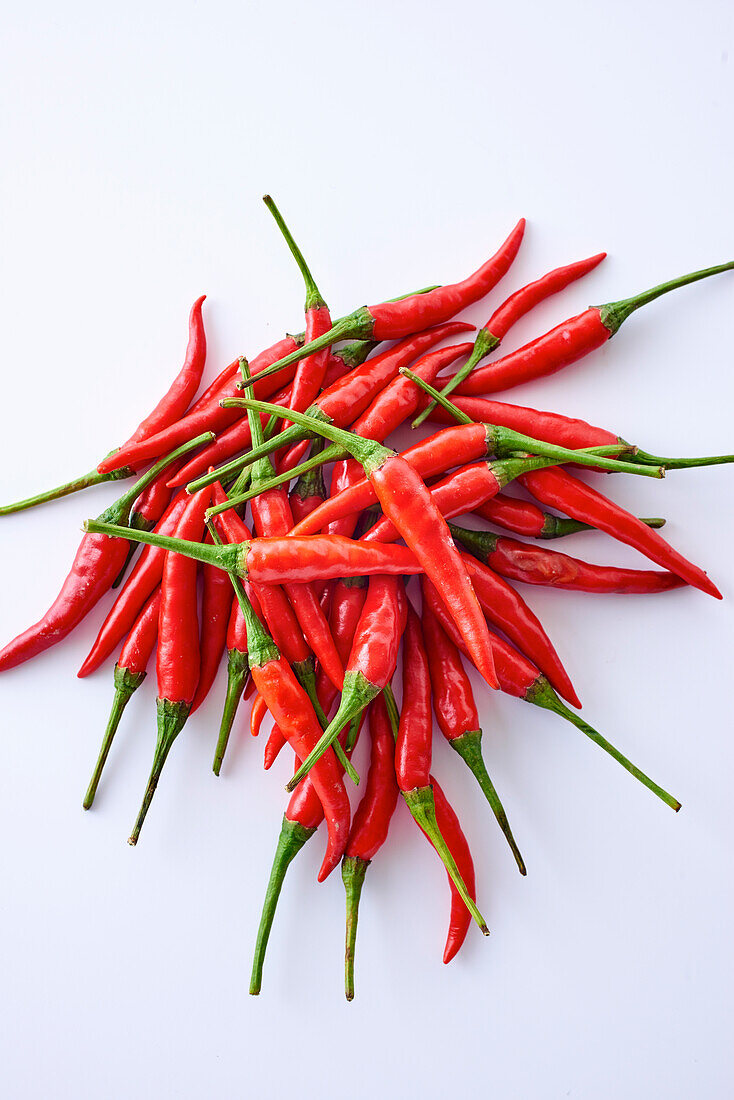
(349, 555)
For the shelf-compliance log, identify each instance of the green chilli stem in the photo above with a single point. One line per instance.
(229, 557)
(120, 511)
(126, 684)
(354, 870)
(306, 676)
(171, 720)
(681, 463)
(314, 300)
(261, 648)
(543, 695)
(392, 709)
(422, 806)
(483, 345)
(292, 838)
(355, 326)
(355, 354)
(65, 490)
(238, 670)
(315, 462)
(138, 522)
(613, 314)
(356, 694)
(469, 747)
(556, 527)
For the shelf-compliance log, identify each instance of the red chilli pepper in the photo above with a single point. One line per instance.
(562, 491)
(570, 341)
(520, 678)
(394, 320)
(525, 518)
(128, 676)
(216, 610)
(458, 718)
(521, 561)
(509, 313)
(369, 826)
(413, 755)
(457, 844)
(96, 565)
(178, 659)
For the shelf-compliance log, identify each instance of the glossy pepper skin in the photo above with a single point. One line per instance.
(561, 490)
(519, 677)
(457, 716)
(569, 341)
(369, 826)
(144, 579)
(216, 609)
(178, 660)
(512, 309)
(97, 563)
(129, 674)
(457, 844)
(394, 320)
(174, 404)
(525, 518)
(521, 561)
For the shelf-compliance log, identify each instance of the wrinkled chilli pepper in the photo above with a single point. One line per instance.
(97, 563)
(458, 718)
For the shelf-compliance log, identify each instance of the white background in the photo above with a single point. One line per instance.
(402, 142)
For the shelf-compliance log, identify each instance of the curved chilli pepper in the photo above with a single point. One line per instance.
(520, 678)
(310, 372)
(128, 676)
(512, 309)
(257, 714)
(231, 441)
(563, 491)
(389, 409)
(174, 404)
(348, 398)
(272, 516)
(178, 658)
(143, 580)
(521, 561)
(238, 671)
(371, 663)
(208, 416)
(369, 826)
(457, 716)
(393, 320)
(302, 818)
(569, 341)
(413, 754)
(216, 609)
(408, 503)
(457, 844)
(96, 565)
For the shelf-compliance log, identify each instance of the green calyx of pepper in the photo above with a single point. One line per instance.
(126, 684)
(292, 838)
(614, 314)
(172, 717)
(238, 671)
(469, 747)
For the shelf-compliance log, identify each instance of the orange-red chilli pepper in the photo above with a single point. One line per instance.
(216, 609)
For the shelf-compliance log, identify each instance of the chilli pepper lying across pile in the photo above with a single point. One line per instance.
(354, 570)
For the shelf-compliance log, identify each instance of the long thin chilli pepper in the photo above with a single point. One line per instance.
(216, 609)
(522, 561)
(286, 560)
(238, 671)
(561, 490)
(371, 663)
(408, 503)
(73, 486)
(292, 710)
(143, 580)
(569, 341)
(457, 844)
(369, 826)
(458, 718)
(394, 320)
(555, 428)
(97, 563)
(348, 397)
(525, 518)
(272, 516)
(208, 416)
(413, 754)
(128, 676)
(520, 678)
(310, 372)
(178, 660)
(512, 309)
(302, 818)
